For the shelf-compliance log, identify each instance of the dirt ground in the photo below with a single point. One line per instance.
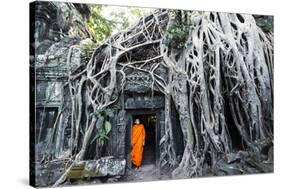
(144, 173)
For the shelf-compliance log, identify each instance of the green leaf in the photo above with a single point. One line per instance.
(100, 121)
(101, 132)
(107, 127)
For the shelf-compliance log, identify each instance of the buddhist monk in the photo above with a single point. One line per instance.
(138, 141)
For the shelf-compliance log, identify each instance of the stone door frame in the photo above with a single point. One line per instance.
(129, 122)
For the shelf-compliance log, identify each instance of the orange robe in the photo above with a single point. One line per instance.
(138, 137)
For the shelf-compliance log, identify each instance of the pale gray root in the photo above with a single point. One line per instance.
(227, 48)
(226, 60)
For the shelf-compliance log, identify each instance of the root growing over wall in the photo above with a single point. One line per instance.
(225, 61)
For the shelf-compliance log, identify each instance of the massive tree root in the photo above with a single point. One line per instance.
(228, 59)
(221, 77)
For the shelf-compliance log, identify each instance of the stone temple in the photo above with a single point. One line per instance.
(137, 100)
(57, 34)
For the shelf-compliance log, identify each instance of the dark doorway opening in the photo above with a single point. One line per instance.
(45, 120)
(149, 151)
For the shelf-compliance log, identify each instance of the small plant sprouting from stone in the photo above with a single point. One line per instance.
(103, 126)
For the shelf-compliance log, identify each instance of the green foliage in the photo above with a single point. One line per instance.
(107, 127)
(177, 33)
(103, 126)
(87, 49)
(101, 26)
(119, 20)
(265, 23)
(135, 11)
(98, 25)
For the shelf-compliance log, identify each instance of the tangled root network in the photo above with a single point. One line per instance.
(219, 79)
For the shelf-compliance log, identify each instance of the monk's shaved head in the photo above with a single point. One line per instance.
(137, 121)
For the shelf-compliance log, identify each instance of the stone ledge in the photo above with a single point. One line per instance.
(98, 168)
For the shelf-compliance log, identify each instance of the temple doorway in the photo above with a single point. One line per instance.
(149, 151)
(152, 119)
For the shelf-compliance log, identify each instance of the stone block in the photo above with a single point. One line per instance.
(98, 168)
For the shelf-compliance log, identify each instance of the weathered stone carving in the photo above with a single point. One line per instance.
(144, 102)
(121, 133)
(97, 168)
